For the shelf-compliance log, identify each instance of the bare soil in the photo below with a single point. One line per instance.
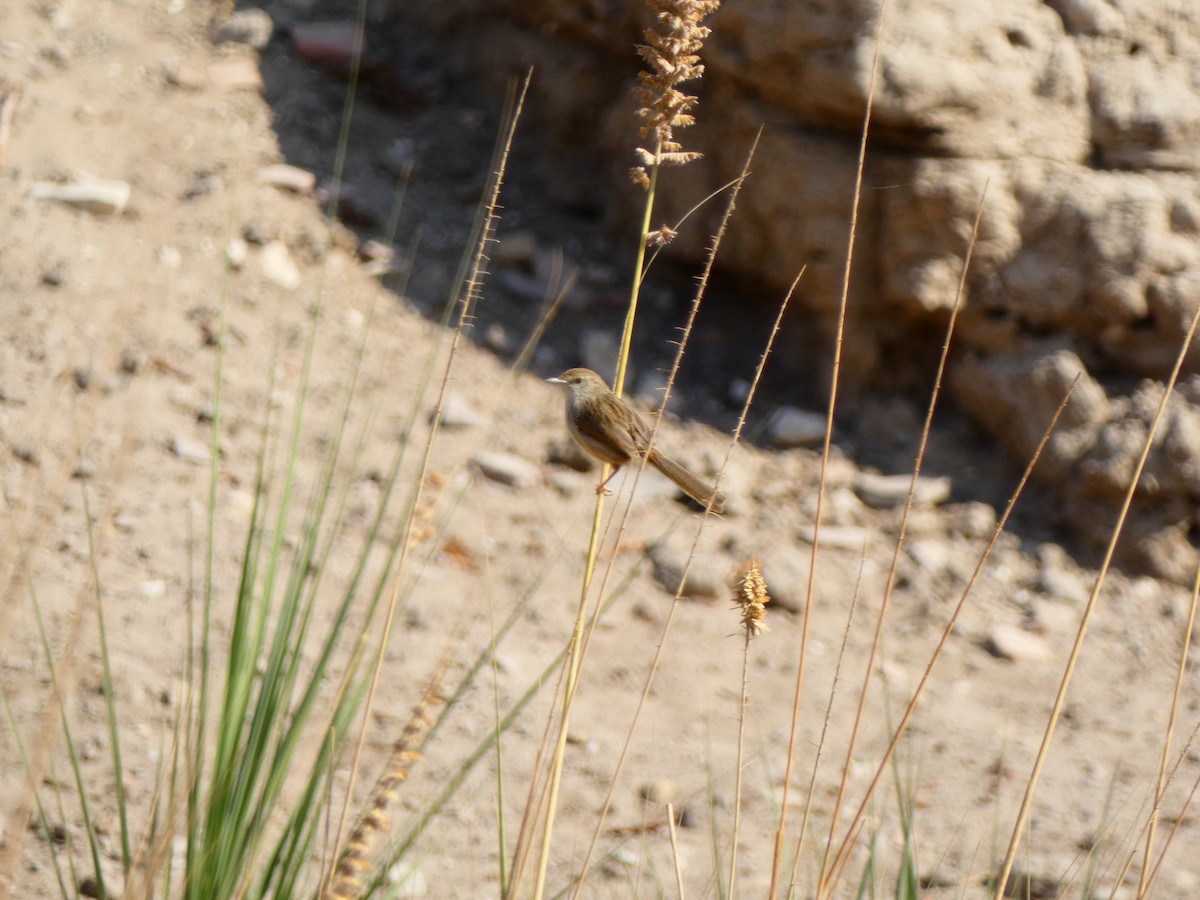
(107, 367)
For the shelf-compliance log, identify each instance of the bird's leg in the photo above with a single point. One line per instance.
(602, 487)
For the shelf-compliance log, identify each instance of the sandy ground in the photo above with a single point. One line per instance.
(107, 368)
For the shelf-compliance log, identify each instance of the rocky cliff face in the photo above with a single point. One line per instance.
(1080, 119)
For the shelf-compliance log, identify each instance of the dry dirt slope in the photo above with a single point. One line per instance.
(105, 381)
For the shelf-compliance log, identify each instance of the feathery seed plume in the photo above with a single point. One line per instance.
(751, 594)
(671, 57)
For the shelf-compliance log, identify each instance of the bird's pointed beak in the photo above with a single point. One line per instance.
(555, 381)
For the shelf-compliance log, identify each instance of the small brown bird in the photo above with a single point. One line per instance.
(609, 429)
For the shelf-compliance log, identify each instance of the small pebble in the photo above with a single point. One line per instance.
(786, 573)
(375, 250)
(103, 197)
(277, 266)
(84, 470)
(240, 503)
(133, 360)
(792, 427)
(187, 78)
(1015, 644)
(82, 378)
(239, 74)
(190, 449)
(702, 577)
(838, 537)
(153, 589)
(55, 276)
(739, 391)
(883, 491)
(975, 520)
(236, 252)
(931, 555)
(496, 339)
(1059, 584)
(288, 178)
(251, 27)
(202, 186)
(257, 234)
(406, 882)
(625, 856)
(568, 453)
(1058, 578)
(507, 468)
(25, 453)
(457, 412)
(565, 482)
(660, 792)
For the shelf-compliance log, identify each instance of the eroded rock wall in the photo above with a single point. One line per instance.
(1079, 118)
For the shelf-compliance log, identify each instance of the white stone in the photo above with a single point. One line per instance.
(236, 252)
(251, 27)
(190, 449)
(892, 490)
(277, 266)
(457, 412)
(793, 427)
(1016, 644)
(95, 195)
(507, 468)
(288, 178)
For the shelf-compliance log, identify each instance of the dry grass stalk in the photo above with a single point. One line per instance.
(751, 594)
(352, 876)
(672, 59)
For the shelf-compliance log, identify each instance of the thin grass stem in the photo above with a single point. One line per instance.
(677, 863)
(737, 775)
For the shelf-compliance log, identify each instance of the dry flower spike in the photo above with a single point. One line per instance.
(751, 594)
(661, 237)
(671, 58)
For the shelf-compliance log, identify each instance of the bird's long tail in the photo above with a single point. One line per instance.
(687, 482)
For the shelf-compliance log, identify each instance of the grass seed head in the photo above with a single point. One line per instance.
(751, 594)
(672, 57)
